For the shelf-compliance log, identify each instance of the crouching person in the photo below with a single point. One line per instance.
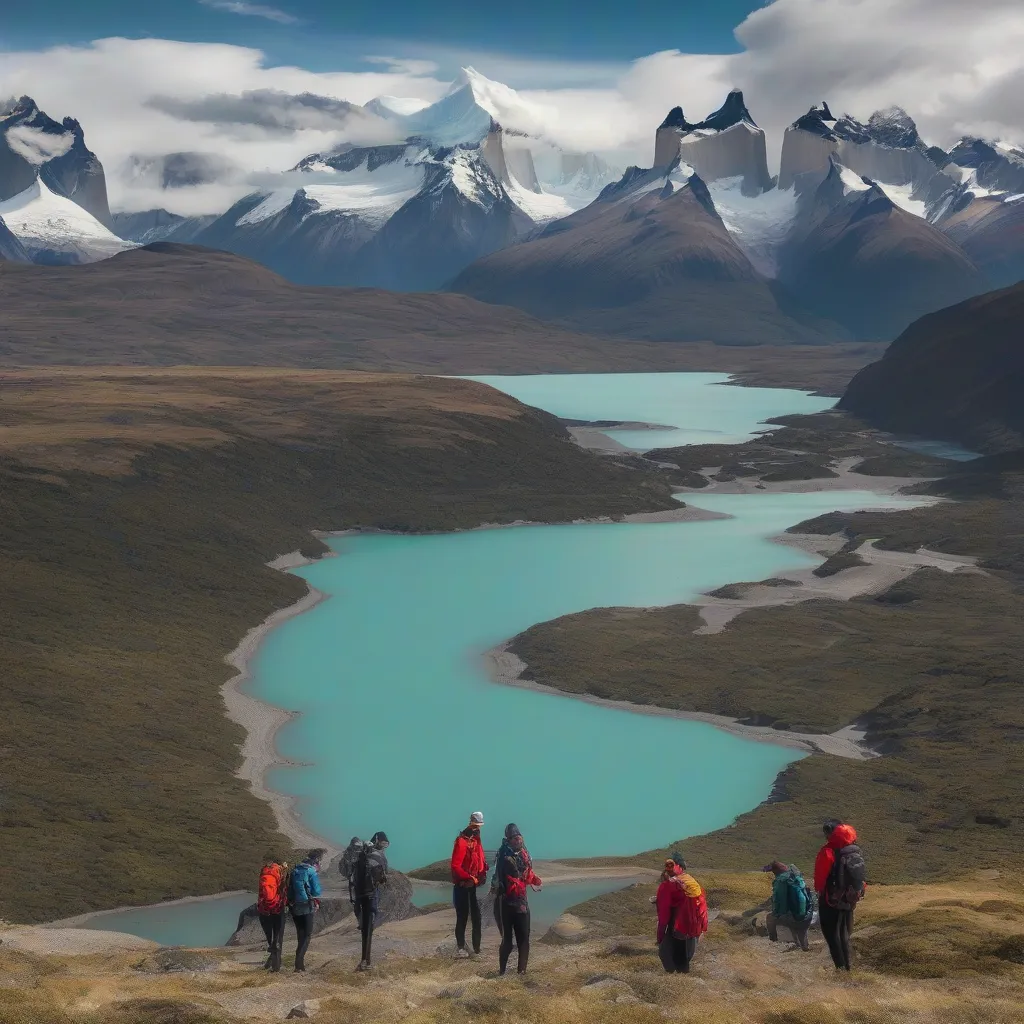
(792, 904)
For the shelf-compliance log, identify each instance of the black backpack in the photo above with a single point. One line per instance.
(367, 875)
(846, 881)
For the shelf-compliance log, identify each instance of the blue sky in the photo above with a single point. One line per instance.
(334, 34)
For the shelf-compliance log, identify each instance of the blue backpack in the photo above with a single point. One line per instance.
(798, 899)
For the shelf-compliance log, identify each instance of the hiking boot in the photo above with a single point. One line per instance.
(462, 953)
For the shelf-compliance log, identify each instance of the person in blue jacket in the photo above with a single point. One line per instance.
(792, 904)
(304, 900)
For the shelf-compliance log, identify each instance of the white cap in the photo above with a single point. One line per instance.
(476, 818)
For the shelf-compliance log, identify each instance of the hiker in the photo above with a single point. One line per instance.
(369, 876)
(792, 904)
(682, 916)
(271, 900)
(469, 870)
(346, 866)
(839, 873)
(513, 872)
(304, 899)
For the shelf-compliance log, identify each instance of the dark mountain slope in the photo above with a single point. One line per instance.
(957, 373)
(651, 259)
(858, 258)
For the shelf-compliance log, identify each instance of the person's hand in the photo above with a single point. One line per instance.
(316, 904)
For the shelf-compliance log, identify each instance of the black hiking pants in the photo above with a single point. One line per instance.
(303, 932)
(467, 907)
(836, 926)
(515, 925)
(273, 929)
(365, 915)
(676, 954)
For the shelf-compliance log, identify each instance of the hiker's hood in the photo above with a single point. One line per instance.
(842, 835)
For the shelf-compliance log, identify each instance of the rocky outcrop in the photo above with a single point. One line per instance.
(34, 145)
(957, 373)
(10, 247)
(726, 144)
(887, 149)
(996, 168)
(650, 258)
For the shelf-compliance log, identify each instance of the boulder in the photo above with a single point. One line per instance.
(307, 1008)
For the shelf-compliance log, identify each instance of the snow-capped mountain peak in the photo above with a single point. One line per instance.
(54, 229)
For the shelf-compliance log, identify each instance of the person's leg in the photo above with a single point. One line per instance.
(497, 912)
(771, 922)
(800, 933)
(460, 897)
(689, 948)
(304, 932)
(366, 927)
(474, 911)
(277, 942)
(267, 924)
(521, 926)
(829, 918)
(507, 934)
(667, 954)
(845, 928)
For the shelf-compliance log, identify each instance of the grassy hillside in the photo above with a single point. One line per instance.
(169, 305)
(136, 511)
(924, 954)
(956, 373)
(933, 667)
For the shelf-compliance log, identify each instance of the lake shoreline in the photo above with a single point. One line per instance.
(505, 668)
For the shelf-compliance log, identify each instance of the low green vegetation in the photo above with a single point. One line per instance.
(802, 448)
(931, 669)
(137, 510)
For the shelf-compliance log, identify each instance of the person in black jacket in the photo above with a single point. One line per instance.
(369, 876)
(513, 872)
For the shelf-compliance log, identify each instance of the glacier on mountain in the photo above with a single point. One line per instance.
(54, 229)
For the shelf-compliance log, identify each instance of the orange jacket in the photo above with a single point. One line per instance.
(842, 835)
(468, 862)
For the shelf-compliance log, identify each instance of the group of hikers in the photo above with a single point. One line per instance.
(839, 884)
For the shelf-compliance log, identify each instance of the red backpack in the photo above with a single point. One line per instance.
(271, 894)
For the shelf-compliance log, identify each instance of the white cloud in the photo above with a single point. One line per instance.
(954, 67)
(253, 10)
(37, 146)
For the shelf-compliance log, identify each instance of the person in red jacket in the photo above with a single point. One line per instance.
(682, 916)
(271, 900)
(836, 923)
(469, 870)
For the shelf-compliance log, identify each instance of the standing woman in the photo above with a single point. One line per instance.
(682, 916)
(304, 898)
(513, 873)
(271, 900)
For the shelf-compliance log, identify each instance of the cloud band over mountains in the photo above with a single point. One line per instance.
(954, 67)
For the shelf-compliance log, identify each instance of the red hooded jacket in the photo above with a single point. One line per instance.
(842, 835)
(468, 861)
(681, 900)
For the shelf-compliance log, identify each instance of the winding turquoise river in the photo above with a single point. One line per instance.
(399, 728)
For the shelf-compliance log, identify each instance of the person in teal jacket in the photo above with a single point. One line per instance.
(792, 904)
(304, 900)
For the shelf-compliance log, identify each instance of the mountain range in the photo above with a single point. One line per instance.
(864, 229)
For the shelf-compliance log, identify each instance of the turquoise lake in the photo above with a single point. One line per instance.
(702, 408)
(399, 728)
